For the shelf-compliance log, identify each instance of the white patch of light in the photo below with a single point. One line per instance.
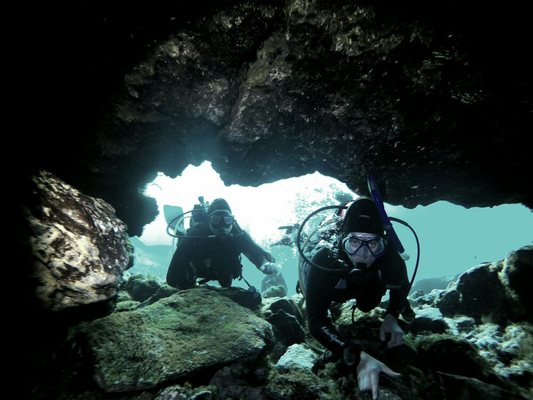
(258, 210)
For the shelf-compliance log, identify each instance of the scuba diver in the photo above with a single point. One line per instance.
(355, 258)
(211, 249)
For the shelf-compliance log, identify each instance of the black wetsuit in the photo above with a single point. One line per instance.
(387, 272)
(200, 254)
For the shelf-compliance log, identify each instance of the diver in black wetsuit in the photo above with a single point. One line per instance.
(212, 250)
(371, 267)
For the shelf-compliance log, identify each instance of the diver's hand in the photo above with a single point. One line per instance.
(390, 326)
(368, 372)
(270, 268)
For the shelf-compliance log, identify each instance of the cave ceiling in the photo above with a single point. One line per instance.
(433, 99)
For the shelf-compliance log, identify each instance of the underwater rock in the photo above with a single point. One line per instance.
(178, 336)
(79, 248)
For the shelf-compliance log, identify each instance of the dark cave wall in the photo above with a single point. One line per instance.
(431, 98)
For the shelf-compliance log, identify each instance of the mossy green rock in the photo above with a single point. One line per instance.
(180, 335)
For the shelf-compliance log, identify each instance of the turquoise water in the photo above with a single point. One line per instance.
(454, 239)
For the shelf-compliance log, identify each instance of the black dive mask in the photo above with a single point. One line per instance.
(221, 222)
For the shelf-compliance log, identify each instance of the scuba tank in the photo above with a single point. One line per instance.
(198, 215)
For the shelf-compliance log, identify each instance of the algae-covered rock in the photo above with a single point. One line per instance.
(177, 336)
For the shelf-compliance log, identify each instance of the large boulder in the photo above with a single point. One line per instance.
(78, 247)
(517, 275)
(179, 336)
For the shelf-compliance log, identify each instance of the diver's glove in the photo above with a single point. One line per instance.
(269, 268)
(368, 372)
(390, 326)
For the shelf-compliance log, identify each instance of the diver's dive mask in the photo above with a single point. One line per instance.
(221, 222)
(363, 248)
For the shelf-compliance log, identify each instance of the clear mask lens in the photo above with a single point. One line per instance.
(221, 219)
(364, 243)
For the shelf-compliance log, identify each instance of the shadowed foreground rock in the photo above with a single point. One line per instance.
(79, 249)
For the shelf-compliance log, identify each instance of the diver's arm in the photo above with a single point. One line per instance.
(395, 277)
(320, 286)
(253, 251)
(398, 300)
(323, 330)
